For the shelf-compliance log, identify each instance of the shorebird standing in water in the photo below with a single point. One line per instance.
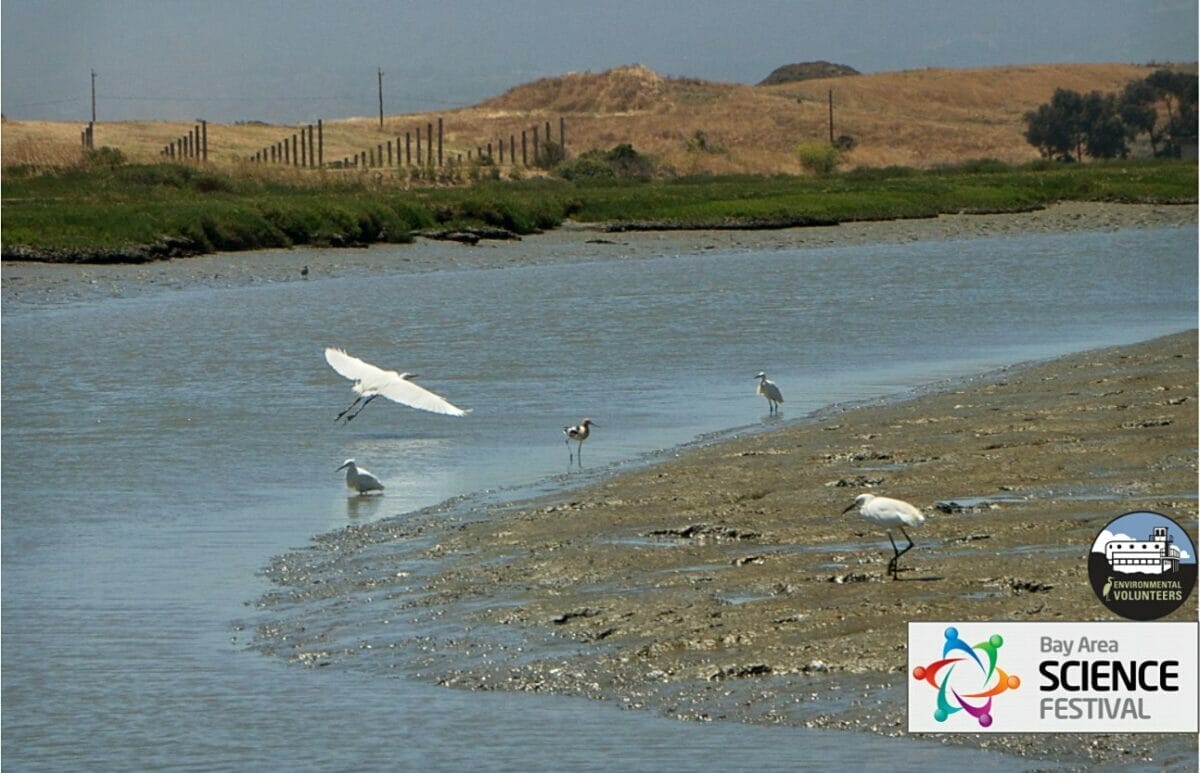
(889, 512)
(768, 390)
(578, 433)
(359, 479)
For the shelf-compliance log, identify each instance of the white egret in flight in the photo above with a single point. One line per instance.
(768, 390)
(578, 433)
(889, 512)
(359, 479)
(371, 382)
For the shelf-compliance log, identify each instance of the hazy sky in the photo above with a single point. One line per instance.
(299, 60)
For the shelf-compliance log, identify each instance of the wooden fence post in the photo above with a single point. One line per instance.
(418, 146)
(524, 150)
(429, 144)
(204, 141)
(439, 141)
(320, 143)
(536, 152)
(407, 149)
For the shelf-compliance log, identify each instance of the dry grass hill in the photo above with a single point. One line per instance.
(915, 118)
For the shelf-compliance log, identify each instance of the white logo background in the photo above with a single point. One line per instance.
(1030, 709)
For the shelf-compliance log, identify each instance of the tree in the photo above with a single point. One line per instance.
(1139, 110)
(1136, 108)
(1056, 128)
(1072, 123)
(1104, 133)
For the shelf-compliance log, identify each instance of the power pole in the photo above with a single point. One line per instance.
(93, 96)
(831, 116)
(380, 97)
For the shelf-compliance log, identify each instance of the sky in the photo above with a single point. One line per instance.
(294, 61)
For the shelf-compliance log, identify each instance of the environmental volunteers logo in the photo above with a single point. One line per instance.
(1142, 565)
(954, 674)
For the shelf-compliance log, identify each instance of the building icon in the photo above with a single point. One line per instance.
(1153, 556)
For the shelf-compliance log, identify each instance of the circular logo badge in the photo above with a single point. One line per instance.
(1142, 565)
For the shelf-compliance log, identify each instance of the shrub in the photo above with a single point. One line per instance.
(104, 158)
(818, 158)
(595, 165)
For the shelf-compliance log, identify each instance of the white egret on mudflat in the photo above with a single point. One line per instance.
(359, 479)
(579, 433)
(889, 512)
(371, 382)
(769, 390)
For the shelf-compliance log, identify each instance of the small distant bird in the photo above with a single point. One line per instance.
(359, 479)
(304, 272)
(768, 390)
(889, 512)
(578, 433)
(371, 382)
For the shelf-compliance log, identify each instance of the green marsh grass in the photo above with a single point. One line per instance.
(104, 210)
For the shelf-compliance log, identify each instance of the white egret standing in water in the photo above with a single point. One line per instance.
(578, 433)
(889, 512)
(359, 479)
(768, 390)
(371, 382)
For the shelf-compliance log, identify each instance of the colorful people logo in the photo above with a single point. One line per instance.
(986, 680)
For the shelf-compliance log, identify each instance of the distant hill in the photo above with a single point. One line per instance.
(917, 118)
(803, 71)
(619, 90)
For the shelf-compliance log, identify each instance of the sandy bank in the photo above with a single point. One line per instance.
(726, 584)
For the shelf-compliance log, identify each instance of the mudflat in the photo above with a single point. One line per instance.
(726, 583)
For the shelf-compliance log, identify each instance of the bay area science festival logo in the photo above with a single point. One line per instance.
(967, 677)
(1142, 566)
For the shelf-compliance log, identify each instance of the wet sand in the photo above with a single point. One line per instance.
(726, 584)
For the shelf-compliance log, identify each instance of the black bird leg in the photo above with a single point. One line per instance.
(360, 408)
(893, 565)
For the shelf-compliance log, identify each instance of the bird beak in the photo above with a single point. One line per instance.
(849, 507)
(344, 466)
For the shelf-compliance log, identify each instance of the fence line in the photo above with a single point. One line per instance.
(191, 146)
(306, 149)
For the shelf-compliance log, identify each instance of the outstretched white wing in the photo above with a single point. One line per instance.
(371, 380)
(355, 369)
(406, 392)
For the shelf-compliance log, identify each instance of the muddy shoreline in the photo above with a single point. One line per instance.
(725, 584)
(56, 283)
(728, 579)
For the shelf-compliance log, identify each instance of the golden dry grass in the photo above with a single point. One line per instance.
(915, 118)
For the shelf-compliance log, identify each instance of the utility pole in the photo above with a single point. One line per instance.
(831, 116)
(93, 96)
(380, 97)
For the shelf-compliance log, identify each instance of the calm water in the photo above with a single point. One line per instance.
(158, 450)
